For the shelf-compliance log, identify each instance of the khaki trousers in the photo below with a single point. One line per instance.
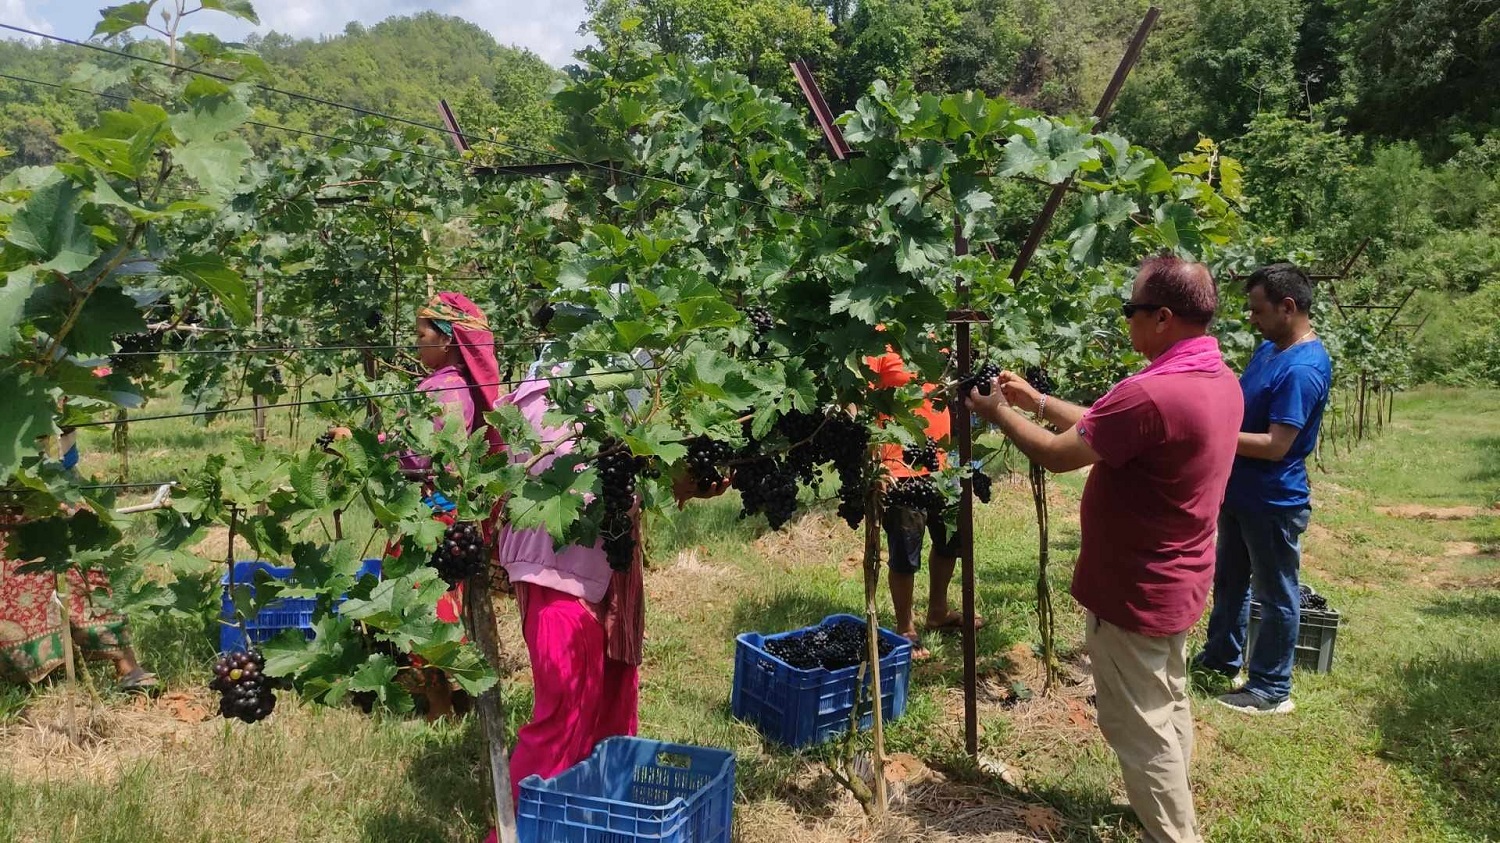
(1141, 692)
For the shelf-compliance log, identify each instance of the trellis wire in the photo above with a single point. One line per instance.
(373, 395)
(287, 349)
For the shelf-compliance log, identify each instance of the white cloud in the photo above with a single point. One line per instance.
(15, 13)
(548, 28)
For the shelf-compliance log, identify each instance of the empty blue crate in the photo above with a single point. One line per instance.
(632, 789)
(286, 613)
(800, 707)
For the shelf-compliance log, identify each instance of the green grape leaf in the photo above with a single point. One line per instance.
(632, 334)
(551, 500)
(463, 663)
(19, 285)
(657, 440)
(698, 313)
(241, 9)
(862, 301)
(122, 18)
(212, 272)
(378, 676)
(48, 224)
(210, 118)
(216, 166)
(1231, 178)
(1082, 250)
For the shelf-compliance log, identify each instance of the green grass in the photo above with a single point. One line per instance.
(1400, 742)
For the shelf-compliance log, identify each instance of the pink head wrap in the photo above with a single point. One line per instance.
(476, 344)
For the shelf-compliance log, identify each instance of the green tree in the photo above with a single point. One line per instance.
(1298, 176)
(757, 37)
(1423, 69)
(1242, 62)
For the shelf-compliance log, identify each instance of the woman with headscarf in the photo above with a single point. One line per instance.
(455, 345)
(583, 622)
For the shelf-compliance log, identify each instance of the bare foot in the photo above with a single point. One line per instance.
(918, 652)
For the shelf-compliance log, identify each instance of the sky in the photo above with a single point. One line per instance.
(546, 27)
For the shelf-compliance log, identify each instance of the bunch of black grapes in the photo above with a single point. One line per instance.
(244, 689)
(618, 471)
(837, 439)
(1311, 599)
(704, 457)
(765, 484)
(918, 493)
(139, 354)
(832, 647)
(325, 441)
(846, 443)
(982, 486)
(980, 379)
(460, 554)
(1037, 377)
(768, 483)
(922, 456)
(801, 432)
(761, 320)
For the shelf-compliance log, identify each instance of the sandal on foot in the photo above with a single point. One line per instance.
(139, 679)
(954, 623)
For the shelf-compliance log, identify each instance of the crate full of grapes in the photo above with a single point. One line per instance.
(799, 688)
(1317, 632)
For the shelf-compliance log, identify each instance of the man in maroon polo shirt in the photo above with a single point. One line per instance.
(1161, 444)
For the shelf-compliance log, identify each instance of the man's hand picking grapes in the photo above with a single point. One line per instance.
(987, 406)
(1018, 393)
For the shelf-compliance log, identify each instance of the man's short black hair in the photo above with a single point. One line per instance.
(1187, 288)
(1283, 281)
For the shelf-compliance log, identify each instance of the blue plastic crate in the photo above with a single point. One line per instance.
(801, 707)
(286, 613)
(632, 789)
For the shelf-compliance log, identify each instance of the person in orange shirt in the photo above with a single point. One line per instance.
(904, 527)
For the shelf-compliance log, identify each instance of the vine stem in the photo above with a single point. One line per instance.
(872, 635)
(234, 514)
(842, 769)
(70, 669)
(551, 449)
(1044, 614)
(479, 615)
(111, 265)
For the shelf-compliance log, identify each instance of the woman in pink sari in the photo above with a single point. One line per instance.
(584, 624)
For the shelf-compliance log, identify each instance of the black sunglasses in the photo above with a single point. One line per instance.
(1130, 308)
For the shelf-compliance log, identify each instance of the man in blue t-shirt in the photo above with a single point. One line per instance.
(1267, 504)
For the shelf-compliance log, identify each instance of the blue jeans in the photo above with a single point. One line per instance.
(1259, 553)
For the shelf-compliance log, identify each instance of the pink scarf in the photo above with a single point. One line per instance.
(1199, 354)
(476, 345)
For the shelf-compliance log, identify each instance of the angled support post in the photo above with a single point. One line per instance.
(455, 134)
(821, 112)
(1396, 311)
(963, 319)
(1101, 113)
